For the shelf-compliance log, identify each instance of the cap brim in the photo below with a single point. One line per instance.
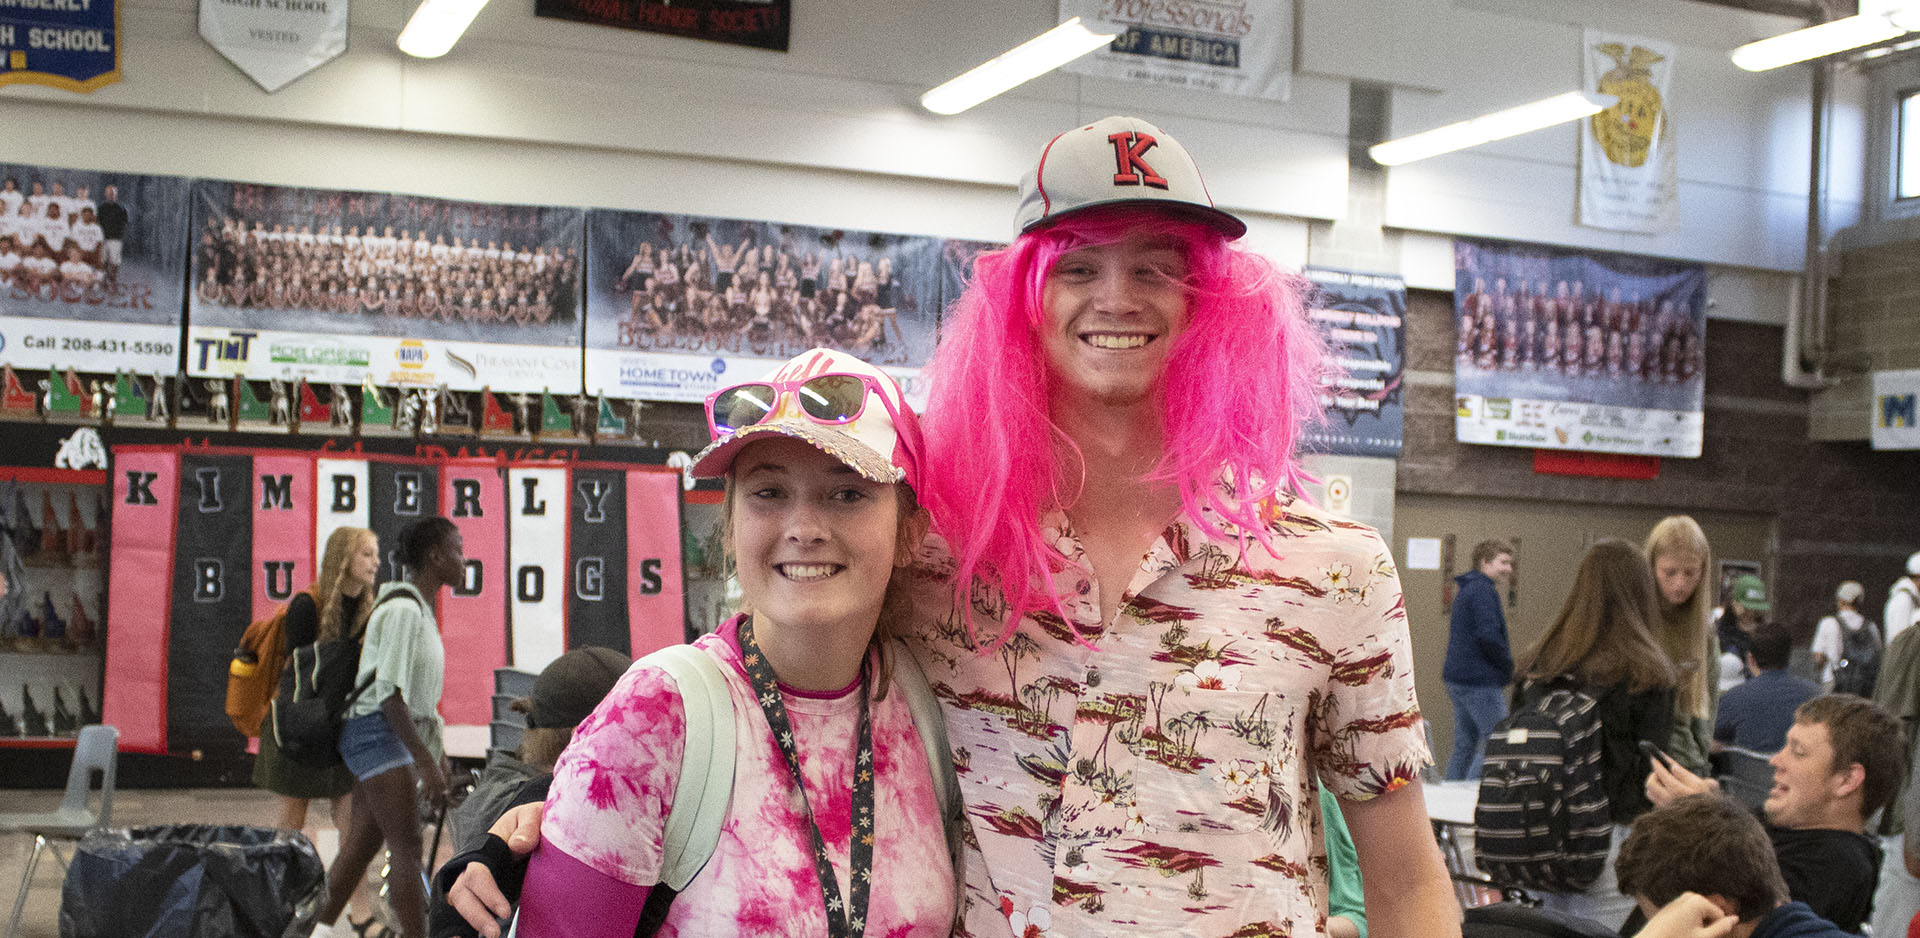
(1213, 218)
(717, 458)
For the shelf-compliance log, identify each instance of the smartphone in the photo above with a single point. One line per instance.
(1653, 752)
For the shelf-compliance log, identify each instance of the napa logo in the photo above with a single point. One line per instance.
(412, 353)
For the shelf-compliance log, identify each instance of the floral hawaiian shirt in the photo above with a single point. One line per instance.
(1158, 775)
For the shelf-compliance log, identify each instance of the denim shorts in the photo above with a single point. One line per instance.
(369, 747)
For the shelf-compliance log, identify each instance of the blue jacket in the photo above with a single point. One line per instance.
(1477, 651)
(1795, 920)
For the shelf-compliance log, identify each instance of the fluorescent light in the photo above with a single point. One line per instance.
(437, 25)
(1486, 128)
(1824, 39)
(1022, 63)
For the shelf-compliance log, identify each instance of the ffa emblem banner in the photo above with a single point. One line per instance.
(1627, 156)
(70, 44)
(557, 557)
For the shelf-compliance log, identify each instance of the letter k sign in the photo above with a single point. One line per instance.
(1130, 166)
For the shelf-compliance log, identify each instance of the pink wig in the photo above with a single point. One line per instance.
(1241, 382)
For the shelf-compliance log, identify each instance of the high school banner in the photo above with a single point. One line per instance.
(1578, 350)
(206, 541)
(761, 23)
(681, 305)
(90, 267)
(1363, 317)
(1242, 47)
(397, 290)
(275, 41)
(1896, 422)
(1628, 163)
(73, 45)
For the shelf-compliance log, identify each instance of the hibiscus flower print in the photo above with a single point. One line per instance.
(1209, 675)
(1032, 923)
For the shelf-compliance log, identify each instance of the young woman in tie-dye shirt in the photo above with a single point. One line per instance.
(819, 514)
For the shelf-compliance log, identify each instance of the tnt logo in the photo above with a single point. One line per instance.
(412, 354)
(233, 348)
(1897, 411)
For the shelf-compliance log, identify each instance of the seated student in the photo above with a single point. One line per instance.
(1842, 762)
(1757, 714)
(1705, 847)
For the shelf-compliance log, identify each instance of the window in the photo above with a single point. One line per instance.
(1907, 161)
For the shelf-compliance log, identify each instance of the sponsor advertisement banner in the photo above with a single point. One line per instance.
(1242, 47)
(90, 268)
(346, 287)
(1896, 423)
(69, 44)
(679, 305)
(146, 490)
(1363, 317)
(275, 41)
(1628, 160)
(1578, 350)
(761, 23)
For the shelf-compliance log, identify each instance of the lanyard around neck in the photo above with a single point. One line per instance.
(844, 919)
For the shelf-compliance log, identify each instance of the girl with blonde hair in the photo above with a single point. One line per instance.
(1603, 644)
(1677, 551)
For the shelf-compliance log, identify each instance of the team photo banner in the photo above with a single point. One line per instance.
(557, 557)
(681, 305)
(1241, 47)
(90, 266)
(1363, 317)
(351, 287)
(1562, 349)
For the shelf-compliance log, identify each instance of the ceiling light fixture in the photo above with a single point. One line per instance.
(1486, 128)
(1010, 69)
(436, 26)
(1827, 38)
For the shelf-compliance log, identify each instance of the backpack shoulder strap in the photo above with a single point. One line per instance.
(932, 727)
(706, 763)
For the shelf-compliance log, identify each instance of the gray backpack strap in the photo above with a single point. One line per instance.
(932, 726)
(706, 766)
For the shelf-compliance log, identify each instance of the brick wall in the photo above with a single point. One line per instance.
(1874, 307)
(1842, 510)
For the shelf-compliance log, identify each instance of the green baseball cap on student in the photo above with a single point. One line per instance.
(1748, 591)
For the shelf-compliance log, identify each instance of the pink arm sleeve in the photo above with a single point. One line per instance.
(565, 898)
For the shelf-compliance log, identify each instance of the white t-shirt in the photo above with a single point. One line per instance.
(40, 266)
(10, 201)
(88, 235)
(54, 232)
(77, 272)
(1828, 641)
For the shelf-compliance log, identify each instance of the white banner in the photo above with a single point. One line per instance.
(1627, 157)
(537, 565)
(392, 361)
(341, 493)
(1598, 428)
(88, 345)
(1242, 47)
(275, 41)
(1896, 420)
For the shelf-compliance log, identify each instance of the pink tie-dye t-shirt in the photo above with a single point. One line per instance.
(613, 787)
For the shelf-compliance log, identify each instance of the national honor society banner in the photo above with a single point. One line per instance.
(1242, 47)
(680, 305)
(557, 556)
(90, 267)
(1560, 349)
(762, 23)
(69, 44)
(1363, 317)
(1628, 164)
(398, 290)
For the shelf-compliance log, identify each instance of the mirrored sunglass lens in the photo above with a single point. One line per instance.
(743, 406)
(833, 397)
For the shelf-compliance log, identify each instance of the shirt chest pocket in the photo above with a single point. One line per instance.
(1203, 760)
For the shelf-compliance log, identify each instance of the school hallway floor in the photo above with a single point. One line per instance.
(132, 808)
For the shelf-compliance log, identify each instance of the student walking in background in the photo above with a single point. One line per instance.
(1479, 662)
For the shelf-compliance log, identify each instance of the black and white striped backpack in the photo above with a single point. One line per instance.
(1543, 821)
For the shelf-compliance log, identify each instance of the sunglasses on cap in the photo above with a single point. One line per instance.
(831, 398)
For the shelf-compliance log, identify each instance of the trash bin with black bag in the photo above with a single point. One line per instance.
(191, 881)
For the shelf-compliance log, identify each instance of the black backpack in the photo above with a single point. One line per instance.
(1859, 664)
(315, 692)
(1543, 821)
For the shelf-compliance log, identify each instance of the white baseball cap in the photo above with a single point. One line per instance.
(847, 408)
(1117, 161)
(1850, 592)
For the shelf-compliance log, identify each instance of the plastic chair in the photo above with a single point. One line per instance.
(1749, 776)
(98, 748)
(513, 682)
(503, 709)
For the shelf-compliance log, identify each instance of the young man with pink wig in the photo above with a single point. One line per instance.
(1160, 653)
